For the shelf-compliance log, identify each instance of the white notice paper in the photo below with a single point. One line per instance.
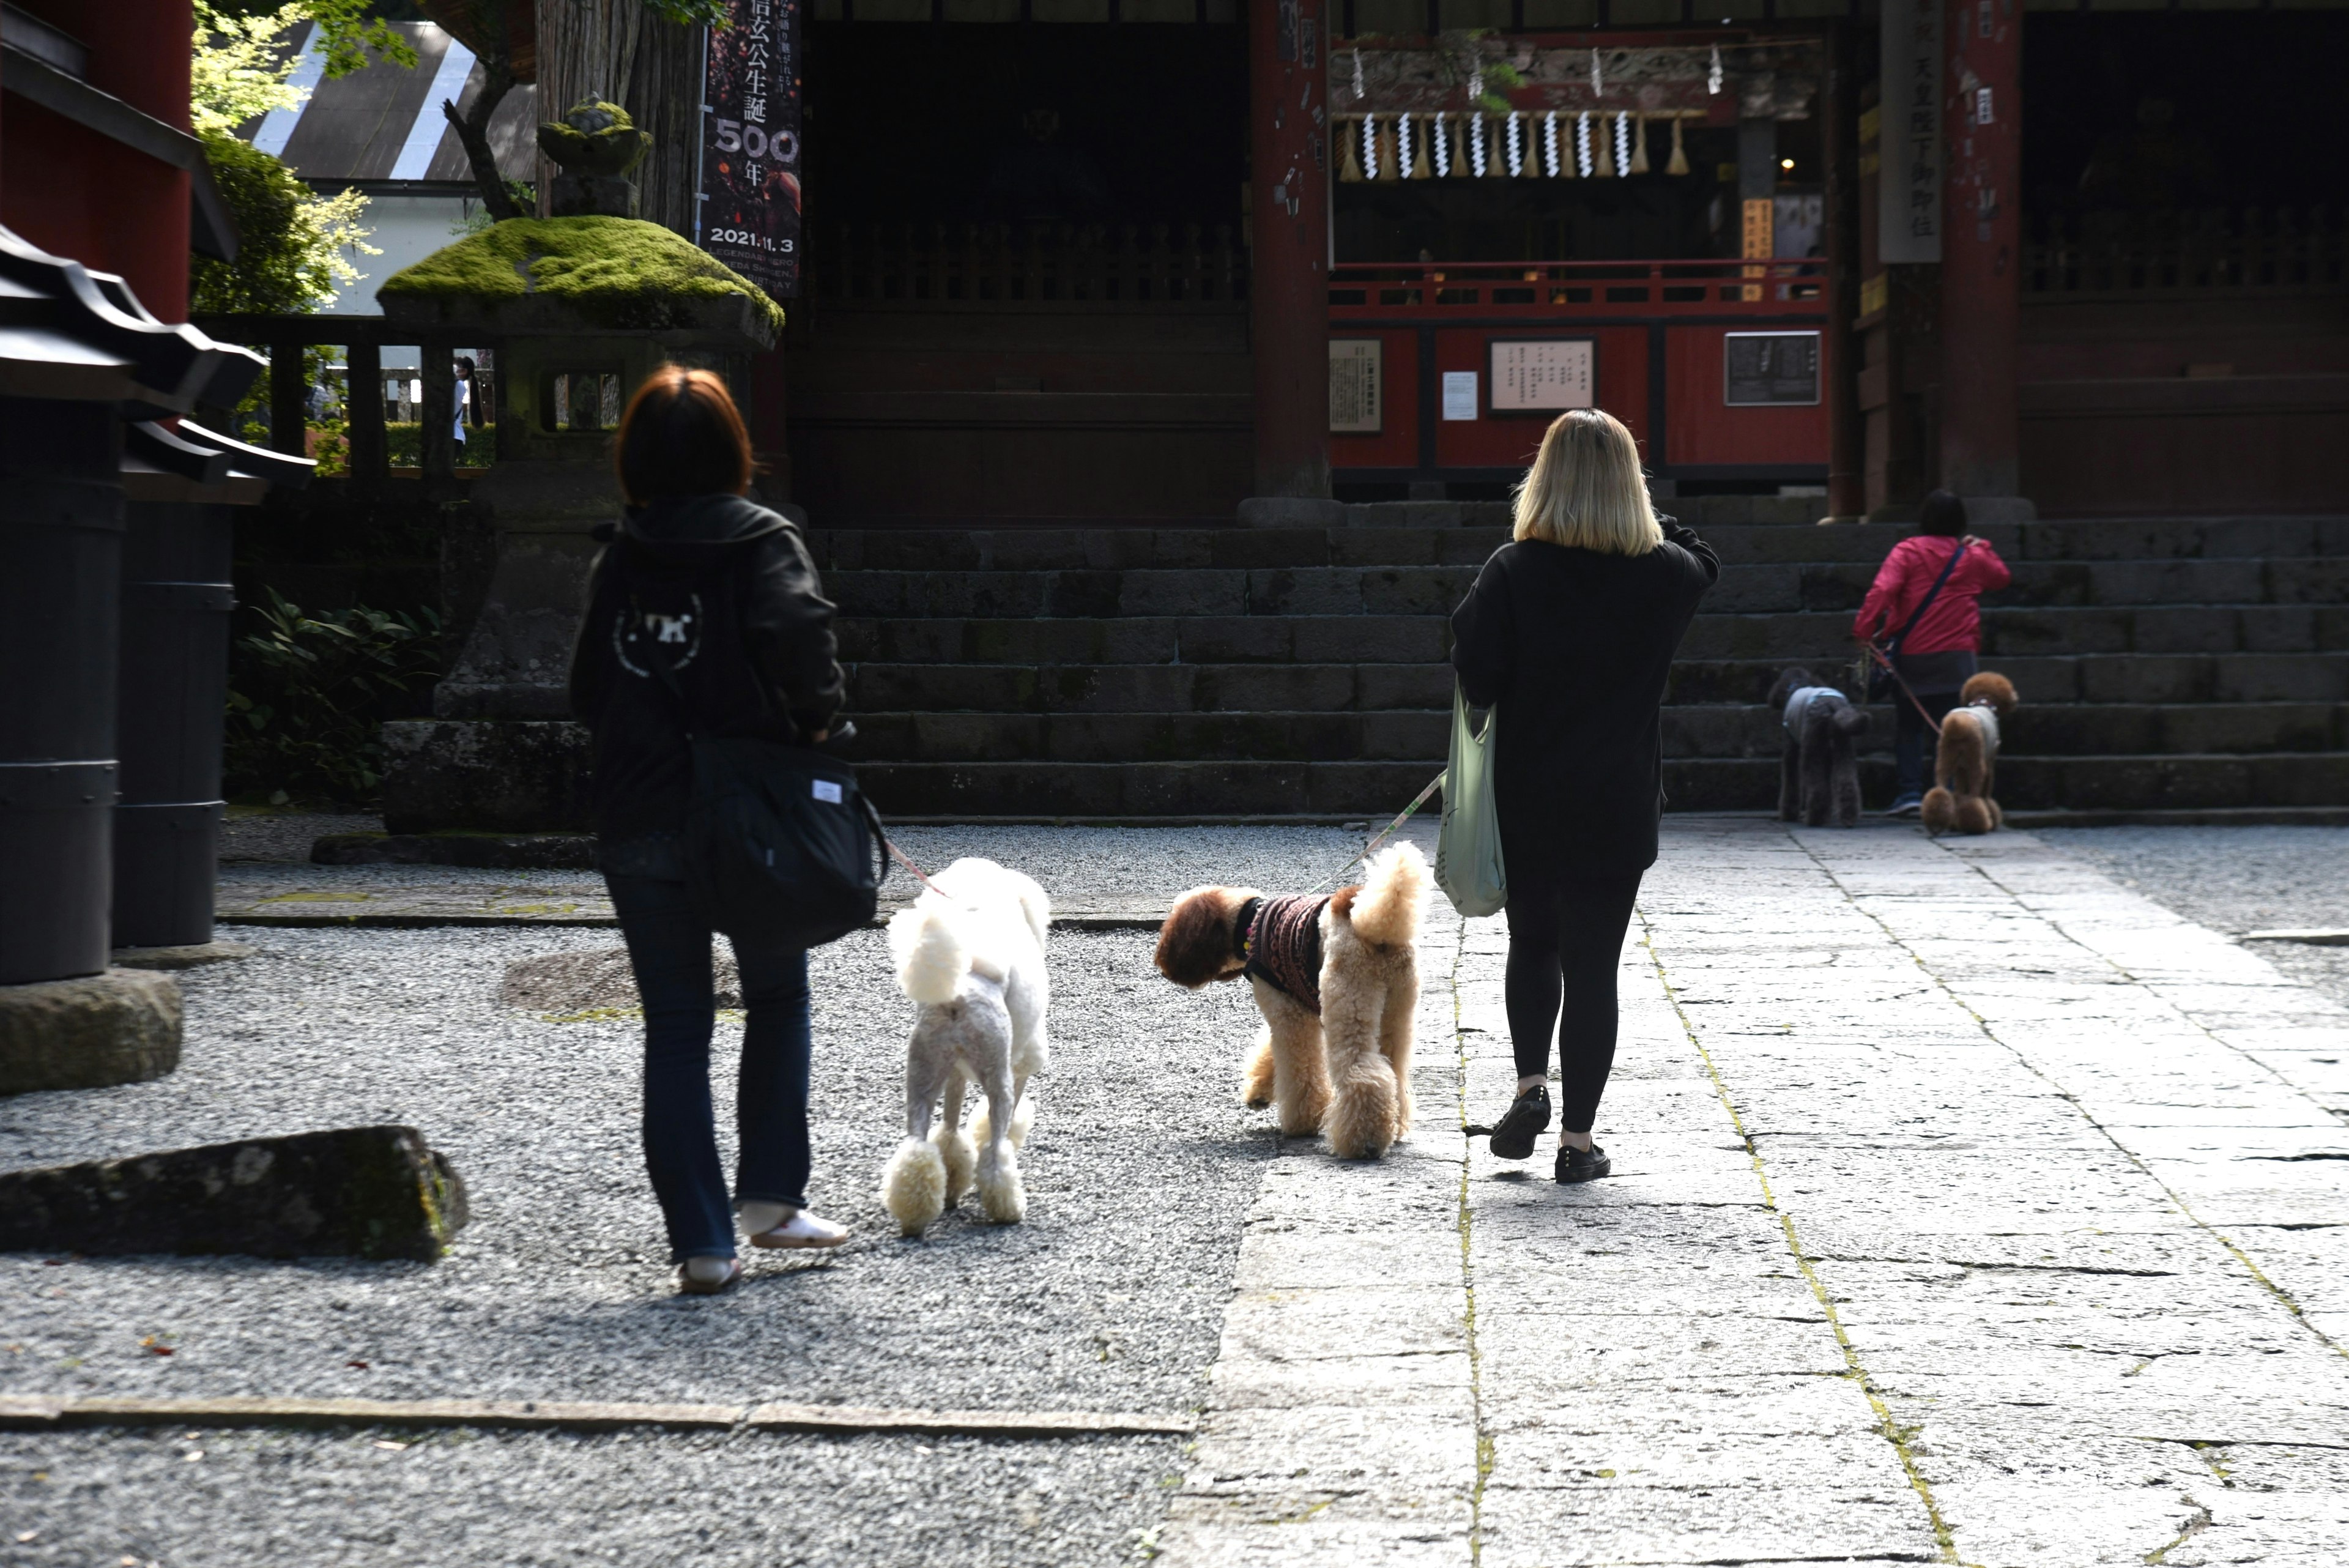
(1542, 374)
(1354, 368)
(1459, 394)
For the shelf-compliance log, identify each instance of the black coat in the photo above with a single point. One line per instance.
(722, 591)
(1572, 649)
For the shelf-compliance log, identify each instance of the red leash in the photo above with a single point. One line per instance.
(1877, 654)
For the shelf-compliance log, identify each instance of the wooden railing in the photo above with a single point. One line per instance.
(362, 340)
(1131, 266)
(2213, 248)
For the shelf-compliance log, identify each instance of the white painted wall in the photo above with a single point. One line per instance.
(406, 229)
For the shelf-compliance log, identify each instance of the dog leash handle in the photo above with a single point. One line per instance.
(1401, 817)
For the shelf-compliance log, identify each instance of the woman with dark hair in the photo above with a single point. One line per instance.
(1927, 599)
(704, 618)
(1568, 634)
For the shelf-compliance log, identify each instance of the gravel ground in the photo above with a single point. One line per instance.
(519, 1500)
(2237, 879)
(1110, 1296)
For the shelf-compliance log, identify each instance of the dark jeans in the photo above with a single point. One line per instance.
(668, 948)
(1912, 737)
(1565, 943)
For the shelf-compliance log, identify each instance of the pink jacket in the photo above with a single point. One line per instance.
(1955, 622)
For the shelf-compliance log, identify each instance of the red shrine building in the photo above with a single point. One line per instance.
(1145, 258)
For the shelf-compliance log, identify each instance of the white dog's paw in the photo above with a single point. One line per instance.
(913, 1185)
(1002, 1197)
(982, 1125)
(961, 1157)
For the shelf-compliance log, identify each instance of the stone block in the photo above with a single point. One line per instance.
(1088, 592)
(484, 851)
(369, 1192)
(1237, 639)
(119, 1027)
(1327, 590)
(194, 955)
(2307, 582)
(2184, 628)
(1260, 547)
(1291, 512)
(1385, 686)
(1372, 639)
(1181, 594)
(1416, 590)
(498, 776)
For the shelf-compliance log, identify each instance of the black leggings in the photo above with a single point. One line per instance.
(1567, 934)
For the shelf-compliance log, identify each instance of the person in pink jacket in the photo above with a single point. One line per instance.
(1935, 651)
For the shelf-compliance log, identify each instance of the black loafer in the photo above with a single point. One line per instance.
(1582, 1165)
(1528, 1113)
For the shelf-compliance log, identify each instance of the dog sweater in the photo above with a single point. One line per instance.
(1985, 719)
(1281, 939)
(1800, 703)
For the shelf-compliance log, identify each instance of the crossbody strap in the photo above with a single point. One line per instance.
(1926, 603)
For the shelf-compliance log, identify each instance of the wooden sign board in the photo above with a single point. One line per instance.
(1763, 368)
(1543, 375)
(1356, 370)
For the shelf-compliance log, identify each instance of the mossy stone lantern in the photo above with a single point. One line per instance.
(581, 310)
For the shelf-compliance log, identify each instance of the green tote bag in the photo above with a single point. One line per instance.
(1468, 845)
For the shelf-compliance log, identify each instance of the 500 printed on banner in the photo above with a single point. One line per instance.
(749, 207)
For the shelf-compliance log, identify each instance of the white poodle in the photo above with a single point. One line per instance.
(970, 954)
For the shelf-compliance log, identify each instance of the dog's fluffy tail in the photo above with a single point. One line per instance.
(931, 956)
(1386, 910)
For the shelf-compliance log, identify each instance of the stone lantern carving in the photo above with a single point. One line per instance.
(595, 145)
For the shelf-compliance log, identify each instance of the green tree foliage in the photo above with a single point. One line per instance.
(294, 245)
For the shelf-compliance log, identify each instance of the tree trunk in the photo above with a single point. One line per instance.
(616, 51)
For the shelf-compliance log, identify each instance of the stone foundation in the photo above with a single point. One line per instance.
(491, 775)
(119, 1027)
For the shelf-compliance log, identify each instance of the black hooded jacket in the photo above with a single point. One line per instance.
(721, 591)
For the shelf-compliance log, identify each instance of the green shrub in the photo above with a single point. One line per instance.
(308, 696)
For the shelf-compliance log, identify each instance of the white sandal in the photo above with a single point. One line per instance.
(803, 1229)
(707, 1282)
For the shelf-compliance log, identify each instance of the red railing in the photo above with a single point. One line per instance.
(1709, 287)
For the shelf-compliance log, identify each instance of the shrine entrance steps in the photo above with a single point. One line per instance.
(2169, 669)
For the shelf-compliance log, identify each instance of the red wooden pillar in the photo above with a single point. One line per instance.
(1981, 248)
(1289, 292)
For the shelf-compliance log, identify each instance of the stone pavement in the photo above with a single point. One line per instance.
(1968, 1207)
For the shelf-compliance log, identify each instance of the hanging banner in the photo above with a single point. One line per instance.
(1909, 209)
(747, 213)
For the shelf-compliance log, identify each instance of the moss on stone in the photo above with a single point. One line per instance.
(618, 272)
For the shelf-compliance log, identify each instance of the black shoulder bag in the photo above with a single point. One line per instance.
(1880, 679)
(780, 848)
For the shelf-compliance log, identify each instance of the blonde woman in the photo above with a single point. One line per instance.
(1568, 634)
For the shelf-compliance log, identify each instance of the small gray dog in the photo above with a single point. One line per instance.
(1818, 781)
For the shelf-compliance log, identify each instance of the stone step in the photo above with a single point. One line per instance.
(1150, 639)
(1398, 543)
(2060, 730)
(1229, 790)
(2087, 678)
(1825, 636)
(1166, 689)
(1722, 730)
(1418, 736)
(1436, 590)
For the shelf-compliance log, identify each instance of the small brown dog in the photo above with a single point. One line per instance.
(1337, 981)
(1968, 753)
